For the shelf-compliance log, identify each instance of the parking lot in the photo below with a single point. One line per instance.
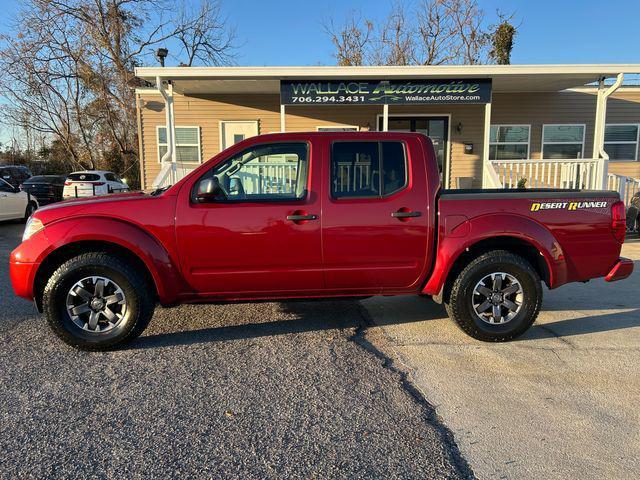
(266, 390)
(328, 389)
(560, 402)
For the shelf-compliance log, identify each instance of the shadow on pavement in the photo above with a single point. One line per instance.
(584, 325)
(309, 316)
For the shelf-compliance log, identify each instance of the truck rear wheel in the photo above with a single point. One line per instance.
(496, 297)
(95, 301)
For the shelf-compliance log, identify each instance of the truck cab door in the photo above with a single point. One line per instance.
(375, 215)
(259, 232)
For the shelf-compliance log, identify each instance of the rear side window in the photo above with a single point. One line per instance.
(367, 169)
(84, 177)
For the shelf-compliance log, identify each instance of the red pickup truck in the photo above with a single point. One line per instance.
(311, 215)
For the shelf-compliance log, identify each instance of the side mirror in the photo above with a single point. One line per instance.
(209, 189)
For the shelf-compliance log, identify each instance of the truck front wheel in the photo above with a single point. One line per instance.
(96, 301)
(496, 297)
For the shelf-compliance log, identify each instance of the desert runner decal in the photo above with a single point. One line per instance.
(536, 206)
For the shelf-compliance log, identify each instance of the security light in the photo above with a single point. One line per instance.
(162, 53)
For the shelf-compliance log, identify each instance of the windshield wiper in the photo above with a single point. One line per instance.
(158, 191)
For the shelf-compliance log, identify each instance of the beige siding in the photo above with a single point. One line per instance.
(536, 109)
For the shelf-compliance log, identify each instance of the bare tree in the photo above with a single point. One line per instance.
(68, 70)
(208, 39)
(396, 44)
(435, 32)
(351, 40)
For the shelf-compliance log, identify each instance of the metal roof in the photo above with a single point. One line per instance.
(506, 78)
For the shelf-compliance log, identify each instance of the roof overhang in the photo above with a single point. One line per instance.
(505, 78)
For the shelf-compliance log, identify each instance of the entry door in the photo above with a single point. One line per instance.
(233, 132)
(436, 128)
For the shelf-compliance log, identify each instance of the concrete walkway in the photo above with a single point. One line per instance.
(561, 402)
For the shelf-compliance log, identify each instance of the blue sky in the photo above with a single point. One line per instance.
(290, 32)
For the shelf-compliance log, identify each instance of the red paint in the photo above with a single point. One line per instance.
(229, 251)
(622, 269)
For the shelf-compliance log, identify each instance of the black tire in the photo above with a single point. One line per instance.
(31, 207)
(135, 315)
(460, 304)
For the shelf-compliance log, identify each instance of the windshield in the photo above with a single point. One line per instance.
(84, 177)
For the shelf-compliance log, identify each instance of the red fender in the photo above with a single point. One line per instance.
(164, 270)
(453, 243)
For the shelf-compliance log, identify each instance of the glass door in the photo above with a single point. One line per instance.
(435, 128)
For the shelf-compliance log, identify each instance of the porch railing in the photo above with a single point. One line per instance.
(533, 173)
(170, 173)
(627, 187)
(268, 177)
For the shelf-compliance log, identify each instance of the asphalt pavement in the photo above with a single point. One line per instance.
(261, 390)
(562, 401)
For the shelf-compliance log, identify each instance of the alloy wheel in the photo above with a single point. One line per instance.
(497, 298)
(96, 304)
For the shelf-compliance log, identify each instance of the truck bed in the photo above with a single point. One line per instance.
(573, 224)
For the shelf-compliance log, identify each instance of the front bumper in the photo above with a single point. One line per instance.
(622, 269)
(22, 275)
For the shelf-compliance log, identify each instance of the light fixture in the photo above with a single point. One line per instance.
(459, 127)
(162, 53)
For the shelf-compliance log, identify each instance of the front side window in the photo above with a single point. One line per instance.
(367, 169)
(187, 144)
(509, 142)
(265, 172)
(621, 141)
(562, 141)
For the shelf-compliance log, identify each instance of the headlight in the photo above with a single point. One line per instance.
(34, 225)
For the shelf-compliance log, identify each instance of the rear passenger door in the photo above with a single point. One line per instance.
(375, 223)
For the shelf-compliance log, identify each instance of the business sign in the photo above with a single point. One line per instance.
(392, 92)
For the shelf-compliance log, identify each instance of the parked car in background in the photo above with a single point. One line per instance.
(91, 183)
(46, 188)
(14, 174)
(14, 203)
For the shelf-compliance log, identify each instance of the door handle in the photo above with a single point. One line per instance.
(300, 218)
(405, 214)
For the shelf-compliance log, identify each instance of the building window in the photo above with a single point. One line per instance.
(338, 128)
(621, 141)
(187, 144)
(509, 142)
(562, 141)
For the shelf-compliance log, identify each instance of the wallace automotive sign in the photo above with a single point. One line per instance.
(322, 92)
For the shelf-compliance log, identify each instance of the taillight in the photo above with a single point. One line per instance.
(618, 221)
(98, 184)
(66, 184)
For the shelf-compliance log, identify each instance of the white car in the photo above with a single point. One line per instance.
(91, 183)
(14, 203)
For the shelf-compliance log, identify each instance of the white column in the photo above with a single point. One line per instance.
(487, 181)
(385, 118)
(172, 137)
(599, 128)
(282, 118)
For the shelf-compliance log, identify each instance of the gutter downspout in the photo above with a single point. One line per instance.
(598, 134)
(168, 101)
